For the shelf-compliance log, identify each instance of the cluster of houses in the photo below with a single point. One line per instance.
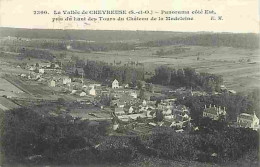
(36, 71)
(129, 107)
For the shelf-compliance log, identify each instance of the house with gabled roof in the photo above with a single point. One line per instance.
(115, 84)
(248, 121)
(52, 83)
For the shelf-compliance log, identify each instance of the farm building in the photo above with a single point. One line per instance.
(248, 121)
(115, 84)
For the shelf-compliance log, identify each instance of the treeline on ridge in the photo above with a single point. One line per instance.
(97, 40)
(249, 41)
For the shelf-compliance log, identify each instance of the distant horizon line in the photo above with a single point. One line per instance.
(216, 32)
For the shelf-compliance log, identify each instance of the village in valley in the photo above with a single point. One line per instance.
(86, 101)
(129, 108)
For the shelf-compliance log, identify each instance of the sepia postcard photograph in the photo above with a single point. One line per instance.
(129, 83)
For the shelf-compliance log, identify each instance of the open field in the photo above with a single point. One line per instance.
(239, 67)
(8, 89)
(29, 87)
(6, 104)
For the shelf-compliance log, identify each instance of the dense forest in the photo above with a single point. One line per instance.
(187, 77)
(101, 71)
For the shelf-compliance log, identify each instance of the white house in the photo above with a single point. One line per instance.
(82, 94)
(52, 83)
(115, 84)
(66, 81)
(167, 112)
(131, 109)
(37, 77)
(144, 103)
(133, 94)
(126, 86)
(56, 66)
(232, 91)
(23, 75)
(68, 47)
(92, 91)
(248, 121)
(115, 126)
(41, 70)
(73, 91)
